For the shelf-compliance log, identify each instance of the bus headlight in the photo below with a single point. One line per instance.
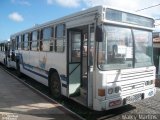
(117, 89)
(150, 82)
(147, 83)
(110, 90)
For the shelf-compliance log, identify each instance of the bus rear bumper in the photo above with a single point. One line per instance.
(100, 105)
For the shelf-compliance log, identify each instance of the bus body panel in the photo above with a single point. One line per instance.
(130, 81)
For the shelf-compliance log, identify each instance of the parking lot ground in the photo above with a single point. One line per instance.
(18, 102)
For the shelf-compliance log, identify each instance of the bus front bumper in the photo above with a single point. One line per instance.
(100, 105)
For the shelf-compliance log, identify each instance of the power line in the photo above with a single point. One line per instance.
(148, 7)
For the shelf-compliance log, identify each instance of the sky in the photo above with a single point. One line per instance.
(18, 15)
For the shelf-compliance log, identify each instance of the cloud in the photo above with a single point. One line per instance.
(25, 3)
(21, 2)
(16, 17)
(65, 3)
(50, 2)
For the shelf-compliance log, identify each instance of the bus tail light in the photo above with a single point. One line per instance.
(101, 92)
(114, 103)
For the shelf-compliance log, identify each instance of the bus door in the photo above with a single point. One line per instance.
(78, 64)
(74, 61)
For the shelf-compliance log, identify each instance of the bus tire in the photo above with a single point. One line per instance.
(55, 85)
(18, 71)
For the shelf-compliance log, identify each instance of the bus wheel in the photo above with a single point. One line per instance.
(19, 74)
(55, 86)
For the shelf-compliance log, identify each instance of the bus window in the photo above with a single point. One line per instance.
(26, 40)
(76, 47)
(47, 35)
(91, 50)
(29, 41)
(34, 38)
(22, 42)
(143, 48)
(0, 47)
(13, 44)
(17, 42)
(60, 33)
(116, 51)
(40, 41)
(52, 41)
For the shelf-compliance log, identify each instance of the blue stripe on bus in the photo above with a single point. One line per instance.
(27, 65)
(46, 77)
(63, 77)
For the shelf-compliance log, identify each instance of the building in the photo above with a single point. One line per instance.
(156, 50)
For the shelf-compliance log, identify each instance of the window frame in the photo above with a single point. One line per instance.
(26, 36)
(46, 40)
(35, 48)
(60, 28)
(133, 40)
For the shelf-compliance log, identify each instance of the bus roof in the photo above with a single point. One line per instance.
(74, 15)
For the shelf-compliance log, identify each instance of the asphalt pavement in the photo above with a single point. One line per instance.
(18, 102)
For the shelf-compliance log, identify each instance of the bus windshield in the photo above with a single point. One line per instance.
(124, 48)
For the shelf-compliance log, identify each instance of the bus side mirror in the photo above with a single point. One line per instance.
(99, 34)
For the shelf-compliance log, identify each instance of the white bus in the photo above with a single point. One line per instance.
(100, 57)
(3, 51)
